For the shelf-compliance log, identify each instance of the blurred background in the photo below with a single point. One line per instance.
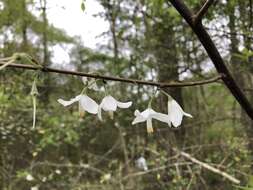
(140, 39)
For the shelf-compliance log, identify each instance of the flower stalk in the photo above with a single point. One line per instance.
(34, 93)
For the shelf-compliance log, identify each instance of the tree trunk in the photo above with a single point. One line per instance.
(237, 64)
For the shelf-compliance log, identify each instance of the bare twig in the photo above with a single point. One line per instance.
(68, 165)
(119, 79)
(198, 17)
(155, 169)
(207, 166)
(214, 55)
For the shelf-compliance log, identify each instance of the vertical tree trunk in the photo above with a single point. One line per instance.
(24, 45)
(44, 34)
(237, 64)
(166, 56)
(46, 57)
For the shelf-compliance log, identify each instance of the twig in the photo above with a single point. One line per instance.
(68, 165)
(155, 170)
(207, 166)
(119, 79)
(198, 17)
(226, 33)
(192, 178)
(214, 55)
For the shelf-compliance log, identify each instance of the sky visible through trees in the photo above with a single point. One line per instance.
(126, 94)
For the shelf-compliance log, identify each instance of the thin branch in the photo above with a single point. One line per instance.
(119, 79)
(226, 33)
(208, 167)
(215, 56)
(198, 17)
(68, 165)
(141, 173)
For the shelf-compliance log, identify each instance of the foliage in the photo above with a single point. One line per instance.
(149, 41)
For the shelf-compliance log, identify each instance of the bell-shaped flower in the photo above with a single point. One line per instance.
(110, 104)
(29, 177)
(147, 115)
(176, 113)
(85, 104)
(141, 163)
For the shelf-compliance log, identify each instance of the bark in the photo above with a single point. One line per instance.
(214, 55)
(245, 78)
(24, 27)
(46, 57)
(44, 35)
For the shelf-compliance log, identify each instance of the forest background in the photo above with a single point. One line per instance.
(147, 40)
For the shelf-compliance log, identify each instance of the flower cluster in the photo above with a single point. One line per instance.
(173, 117)
(87, 104)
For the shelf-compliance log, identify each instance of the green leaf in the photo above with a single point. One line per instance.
(251, 181)
(83, 6)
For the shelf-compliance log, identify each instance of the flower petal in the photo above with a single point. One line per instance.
(149, 126)
(161, 117)
(143, 116)
(148, 113)
(188, 115)
(109, 103)
(137, 112)
(89, 104)
(138, 117)
(71, 101)
(176, 113)
(124, 104)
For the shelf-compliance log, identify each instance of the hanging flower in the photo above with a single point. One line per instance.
(176, 113)
(110, 104)
(35, 188)
(141, 163)
(85, 104)
(147, 115)
(29, 177)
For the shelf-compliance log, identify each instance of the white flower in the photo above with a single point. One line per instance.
(176, 113)
(29, 177)
(35, 188)
(58, 171)
(141, 163)
(110, 104)
(105, 177)
(44, 179)
(148, 115)
(85, 103)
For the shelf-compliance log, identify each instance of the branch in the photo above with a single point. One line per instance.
(141, 173)
(198, 17)
(208, 167)
(68, 165)
(125, 80)
(215, 56)
(226, 33)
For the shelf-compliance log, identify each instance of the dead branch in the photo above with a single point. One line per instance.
(214, 55)
(197, 18)
(207, 166)
(119, 79)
